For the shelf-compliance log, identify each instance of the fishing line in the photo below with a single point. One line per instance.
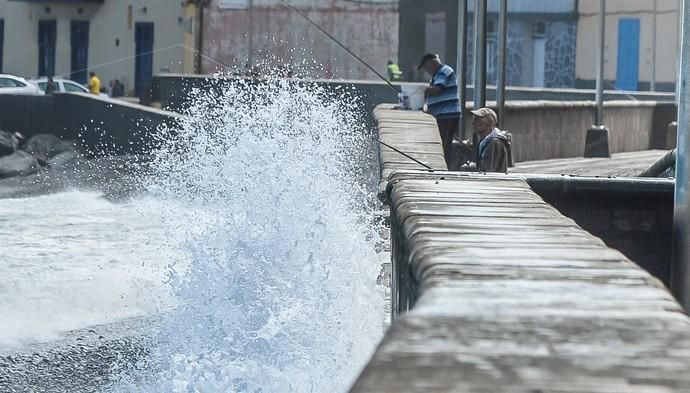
(300, 13)
(372, 69)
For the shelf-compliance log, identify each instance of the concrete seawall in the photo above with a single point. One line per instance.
(497, 291)
(545, 123)
(102, 126)
(166, 89)
(548, 129)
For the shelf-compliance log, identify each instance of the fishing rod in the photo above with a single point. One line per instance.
(406, 155)
(329, 35)
(372, 69)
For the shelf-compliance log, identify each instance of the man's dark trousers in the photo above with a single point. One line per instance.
(447, 128)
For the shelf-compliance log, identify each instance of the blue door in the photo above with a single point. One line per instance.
(143, 65)
(628, 54)
(47, 32)
(2, 39)
(79, 58)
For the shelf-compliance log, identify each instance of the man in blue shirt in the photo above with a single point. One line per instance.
(442, 101)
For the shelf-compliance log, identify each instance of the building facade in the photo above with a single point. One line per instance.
(268, 36)
(641, 44)
(126, 40)
(550, 44)
(541, 39)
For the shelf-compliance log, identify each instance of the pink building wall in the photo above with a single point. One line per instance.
(283, 38)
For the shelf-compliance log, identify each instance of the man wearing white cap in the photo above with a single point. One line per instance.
(492, 152)
(442, 101)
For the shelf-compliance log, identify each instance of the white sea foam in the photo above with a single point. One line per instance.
(277, 291)
(74, 259)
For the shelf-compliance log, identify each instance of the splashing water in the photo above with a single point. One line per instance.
(277, 289)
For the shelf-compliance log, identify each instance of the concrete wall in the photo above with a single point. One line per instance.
(510, 296)
(283, 39)
(170, 90)
(111, 36)
(541, 129)
(632, 216)
(667, 33)
(102, 126)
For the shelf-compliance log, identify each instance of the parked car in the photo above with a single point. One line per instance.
(63, 85)
(12, 84)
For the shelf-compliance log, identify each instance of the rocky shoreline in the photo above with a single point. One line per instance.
(20, 158)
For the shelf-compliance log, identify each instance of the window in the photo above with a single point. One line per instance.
(42, 85)
(539, 29)
(491, 27)
(47, 36)
(7, 82)
(73, 87)
(79, 41)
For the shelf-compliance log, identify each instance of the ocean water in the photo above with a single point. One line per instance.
(252, 241)
(75, 259)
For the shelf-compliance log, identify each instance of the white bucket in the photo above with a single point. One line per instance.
(412, 96)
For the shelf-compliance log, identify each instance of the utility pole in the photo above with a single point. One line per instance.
(599, 120)
(597, 137)
(680, 267)
(461, 64)
(502, 52)
(652, 80)
(250, 57)
(479, 53)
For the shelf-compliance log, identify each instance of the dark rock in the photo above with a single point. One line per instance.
(47, 146)
(18, 163)
(8, 143)
(63, 159)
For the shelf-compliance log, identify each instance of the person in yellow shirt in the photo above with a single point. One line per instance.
(94, 84)
(394, 73)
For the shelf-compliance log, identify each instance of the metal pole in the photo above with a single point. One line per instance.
(652, 80)
(479, 53)
(502, 52)
(196, 32)
(600, 65)
(680, 268)
(679, 27)
(462, 64)
(250, 57)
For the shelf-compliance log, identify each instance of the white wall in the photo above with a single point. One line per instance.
(109, 22)
(667, 34)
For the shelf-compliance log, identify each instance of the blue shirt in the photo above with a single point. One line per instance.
(445, 104)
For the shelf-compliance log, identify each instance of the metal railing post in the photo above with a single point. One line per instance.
(599, 120)
(479, 53)
(502, 52)
(250, 52)
(462, 64)
(652, 79)
(680, 268)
